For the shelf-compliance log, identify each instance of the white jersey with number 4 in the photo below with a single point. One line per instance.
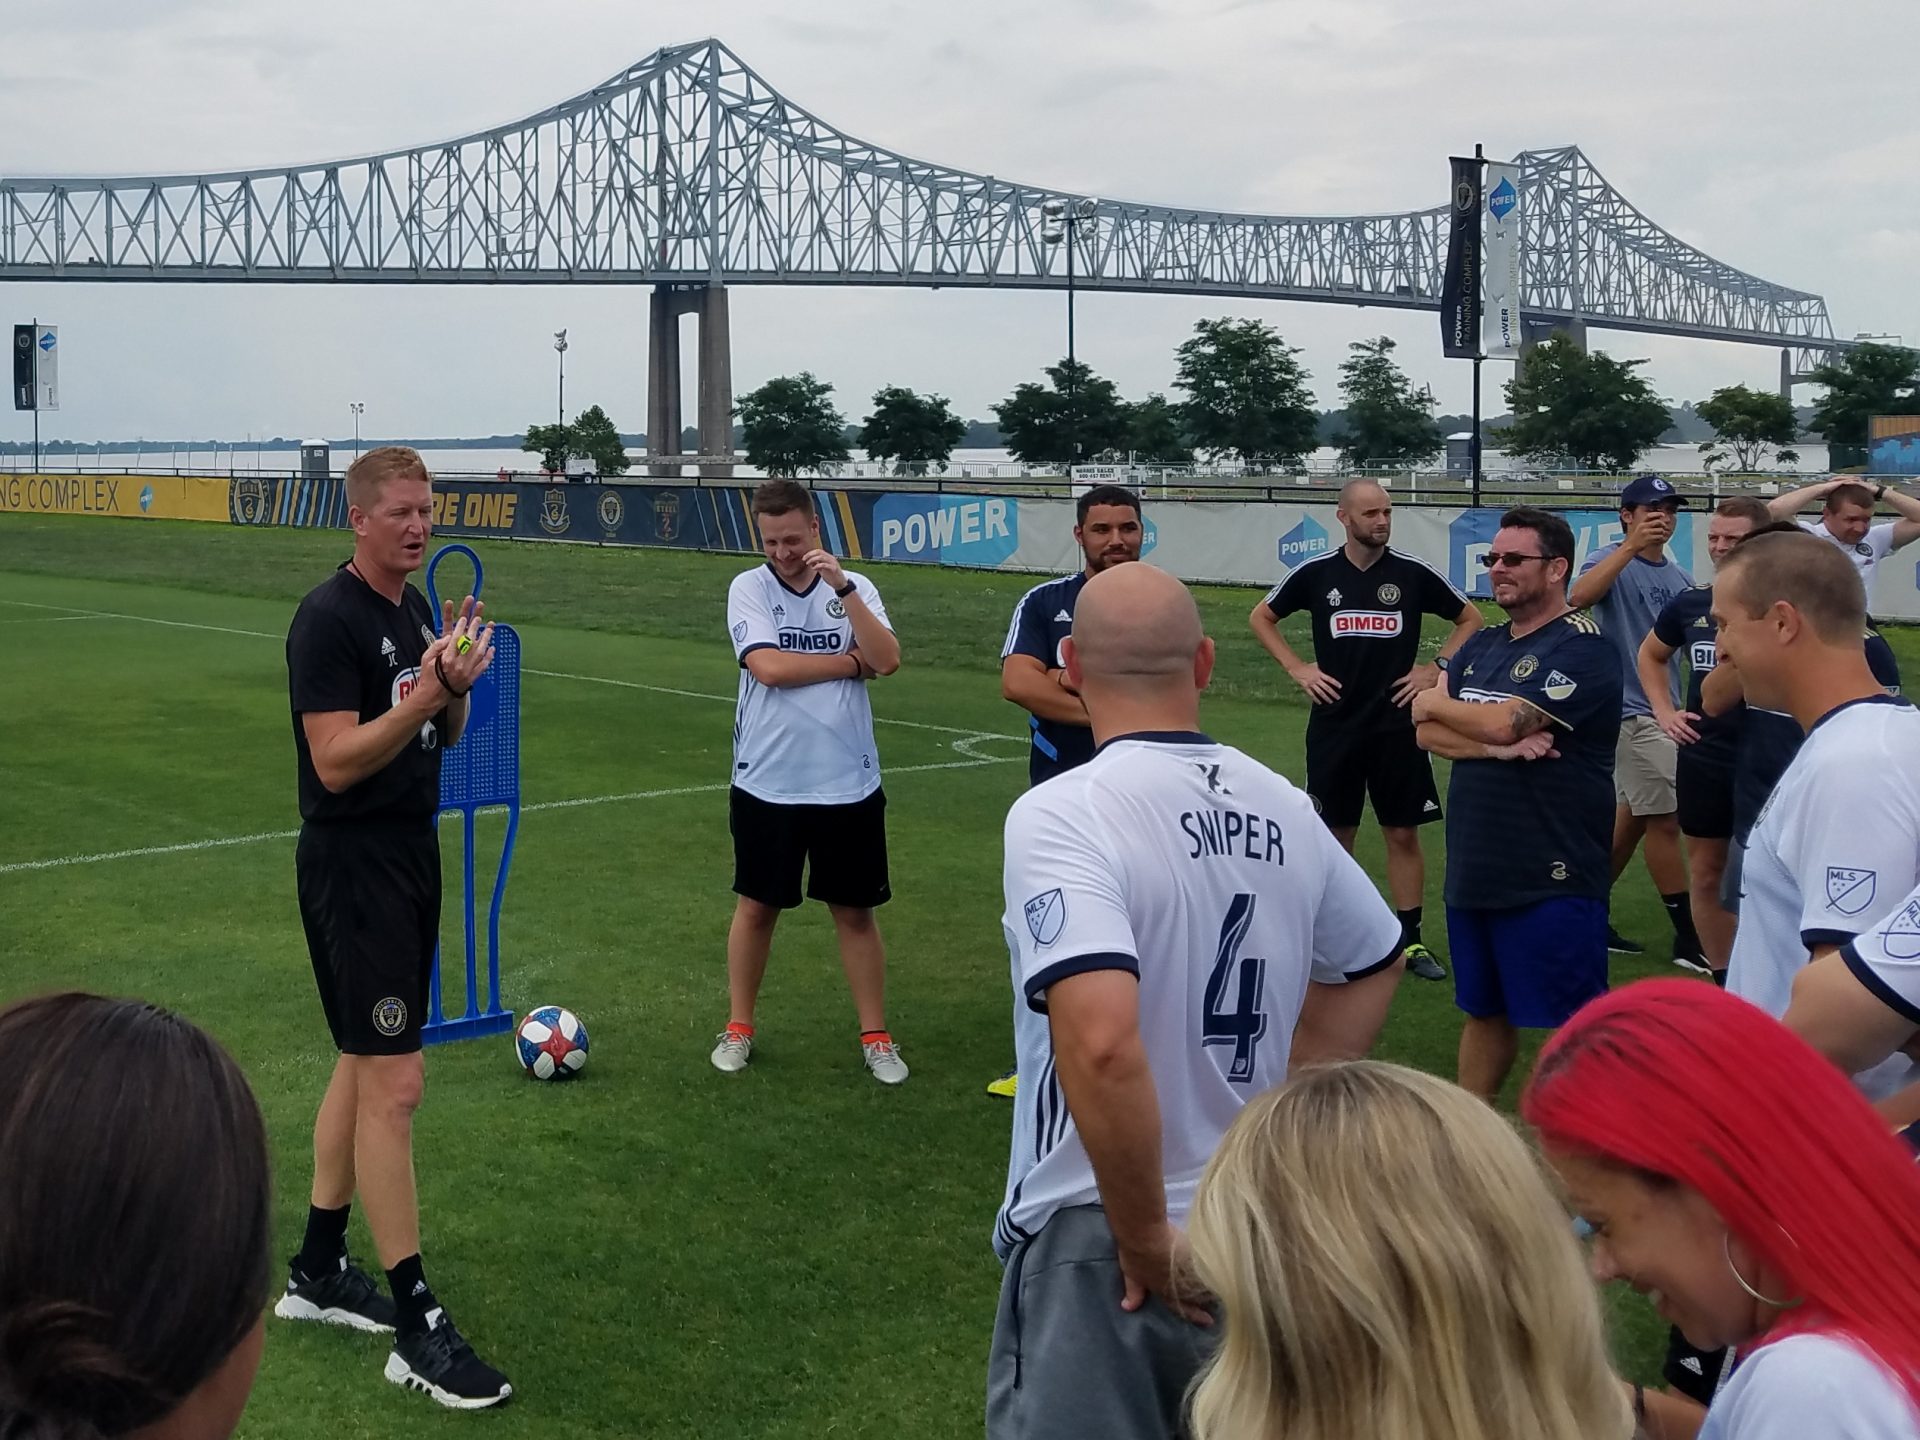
(1210, 878)
(800, 744)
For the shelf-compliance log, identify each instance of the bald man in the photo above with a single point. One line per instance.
(1183, 931)
(1367, 601)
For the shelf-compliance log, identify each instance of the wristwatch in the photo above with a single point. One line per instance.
(845, 590)
(1879, 491)
(1441, 662)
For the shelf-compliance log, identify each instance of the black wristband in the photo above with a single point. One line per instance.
(1880, 492)
(441, 671)
(845, 590)
(1640, 1405)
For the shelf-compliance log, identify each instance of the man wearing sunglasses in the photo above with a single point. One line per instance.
(1530, 715)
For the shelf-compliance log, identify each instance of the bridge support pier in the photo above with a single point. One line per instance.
(1535, 333)
(714, 405)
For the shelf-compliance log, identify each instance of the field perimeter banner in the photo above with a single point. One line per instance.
(155, 497)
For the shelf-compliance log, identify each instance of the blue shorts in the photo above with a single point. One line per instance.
(1534, 964)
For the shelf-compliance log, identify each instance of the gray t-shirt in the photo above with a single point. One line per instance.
(1627, 612)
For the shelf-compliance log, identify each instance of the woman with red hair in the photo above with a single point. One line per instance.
(1739, 1180)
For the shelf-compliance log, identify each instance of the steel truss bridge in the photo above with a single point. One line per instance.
(689, 172)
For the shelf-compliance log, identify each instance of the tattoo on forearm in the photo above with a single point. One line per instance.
(1527, 719)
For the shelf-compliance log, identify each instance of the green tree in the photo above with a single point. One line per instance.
(1594, 410)
(596, 438)
(790, 424)
(1246, 393)
(1076, 415)
(552, 443)
(1746, 423)
(1865, 381)
(1386, 419)
(915, 432)
(1155, 432)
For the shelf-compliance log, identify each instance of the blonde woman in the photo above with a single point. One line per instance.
(1355, 1306)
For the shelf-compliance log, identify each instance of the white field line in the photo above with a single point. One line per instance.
(544, 674)
(964, 745)
(53, 619)
(228, 841)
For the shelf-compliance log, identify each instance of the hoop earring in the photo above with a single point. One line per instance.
(1726, 1249)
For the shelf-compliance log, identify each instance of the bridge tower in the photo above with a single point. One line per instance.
(714, 395)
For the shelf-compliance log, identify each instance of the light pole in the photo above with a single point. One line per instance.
(560, 344)
(358, 409)
(1062, 221)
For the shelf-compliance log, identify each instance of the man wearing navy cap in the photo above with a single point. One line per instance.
(1626, 585)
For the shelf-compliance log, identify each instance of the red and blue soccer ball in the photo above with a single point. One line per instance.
(552, 1043)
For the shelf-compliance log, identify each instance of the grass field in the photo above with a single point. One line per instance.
(656, 1250)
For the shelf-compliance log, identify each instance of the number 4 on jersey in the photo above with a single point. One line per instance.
(1239, 978)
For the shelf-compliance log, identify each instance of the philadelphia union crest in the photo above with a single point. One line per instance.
(554, 517)
(250, 498)
(611, 510)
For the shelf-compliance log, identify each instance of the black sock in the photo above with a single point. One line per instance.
(1680, 912)
(1409, 926)
(411, 1297)
(1720, 978)
(325, 1248)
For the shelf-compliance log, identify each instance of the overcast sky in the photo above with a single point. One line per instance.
(1774, 136)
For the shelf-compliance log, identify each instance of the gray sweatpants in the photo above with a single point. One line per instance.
(1067, 1362)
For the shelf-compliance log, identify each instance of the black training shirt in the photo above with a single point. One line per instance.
(1366, 630)
(350, 648)
(1686, 626)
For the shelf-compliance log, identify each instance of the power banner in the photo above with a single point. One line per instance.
(1501, 333)
(1460, 282)
(155, 497)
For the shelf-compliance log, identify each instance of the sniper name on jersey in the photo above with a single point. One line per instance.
(1232, 834)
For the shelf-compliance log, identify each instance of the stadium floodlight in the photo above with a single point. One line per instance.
(1060, 221)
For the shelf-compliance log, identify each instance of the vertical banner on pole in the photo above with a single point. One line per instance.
(1460, 285)
(1504, 214)
(24, 392)
(46, 367)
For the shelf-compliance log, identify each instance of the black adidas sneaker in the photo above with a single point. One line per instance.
(439, 1361)
(348, 1296)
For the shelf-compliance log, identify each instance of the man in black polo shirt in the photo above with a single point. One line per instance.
(1530, 725)
(1366, 601)
(376, 698)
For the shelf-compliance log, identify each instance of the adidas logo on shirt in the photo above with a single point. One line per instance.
(1063, 615)
(386, 649)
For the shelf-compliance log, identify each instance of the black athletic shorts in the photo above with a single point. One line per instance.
(1705, 791)
(842, 848)
(1389, 768)
(370, 904)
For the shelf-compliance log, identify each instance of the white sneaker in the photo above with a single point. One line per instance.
(732, 1052)
(883, 1059)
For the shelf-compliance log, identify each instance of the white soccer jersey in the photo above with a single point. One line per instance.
(1806, 1385)
(1835, 850)
(1885, 958)
(802, 744)
(1874, 547)
(1209, 877)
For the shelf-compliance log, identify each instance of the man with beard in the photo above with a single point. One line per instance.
(1366, 601)
(1032, 671)
(1530, 725)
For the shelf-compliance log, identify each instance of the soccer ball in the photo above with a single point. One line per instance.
(552, 1043)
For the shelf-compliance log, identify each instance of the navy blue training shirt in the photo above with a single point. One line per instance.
(1522, 831)
(1042, 619)
(1687, 627)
